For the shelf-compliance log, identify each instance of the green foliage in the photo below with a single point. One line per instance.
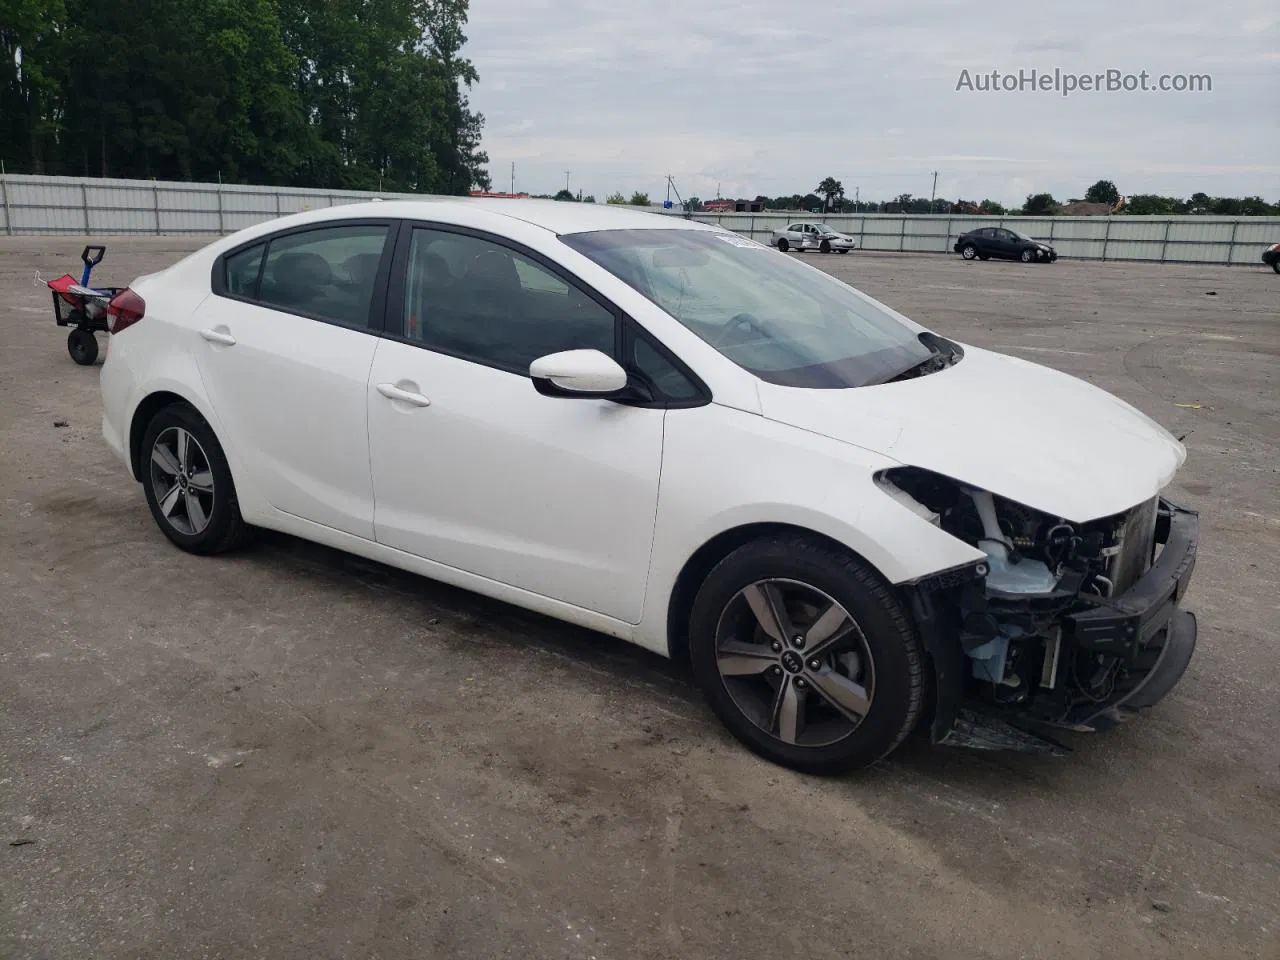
(326, 93)
(1104, 191)
(639, 199)
(831, 189)
(615, 198)
(565, 195)
(991, 208)
(1040, 205)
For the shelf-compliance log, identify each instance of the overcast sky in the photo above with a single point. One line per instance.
(768, 97)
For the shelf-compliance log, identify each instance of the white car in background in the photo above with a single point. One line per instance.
(851, 526)
(812, 235)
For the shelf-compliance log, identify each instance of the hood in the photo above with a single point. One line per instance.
(1020, 430)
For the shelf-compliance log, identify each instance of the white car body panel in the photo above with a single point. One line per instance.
(1065, 446)
(580, 508)
(292, 392)
(551, 495)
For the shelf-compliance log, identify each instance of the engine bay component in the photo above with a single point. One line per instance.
(1067, 618)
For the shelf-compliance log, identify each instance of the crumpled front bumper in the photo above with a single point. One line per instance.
(1144, 626)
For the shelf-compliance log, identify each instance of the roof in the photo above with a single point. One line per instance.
(558, 216)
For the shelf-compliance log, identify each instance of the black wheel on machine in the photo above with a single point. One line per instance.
(83, 346)
(783, 245)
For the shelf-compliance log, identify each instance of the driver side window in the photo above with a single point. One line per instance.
(482, 301)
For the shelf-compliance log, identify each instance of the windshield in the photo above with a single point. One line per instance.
(1021, 236)
(785, 322)
(826, 228)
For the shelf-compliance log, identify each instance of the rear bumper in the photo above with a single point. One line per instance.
(1144, 626)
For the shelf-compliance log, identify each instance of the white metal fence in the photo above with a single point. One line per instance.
(1188, 239)
(89, 206)
(77, 206)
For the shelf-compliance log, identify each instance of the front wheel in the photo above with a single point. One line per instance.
(83, 346)
(824, 247)
(845, 250)
(783, 245)
(1027, 256)
(806, 656)
(188, 483)
(968, 251)
(1275, 264)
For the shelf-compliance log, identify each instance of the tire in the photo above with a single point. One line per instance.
(1027, 256)
(205, 467)
(83, 346)
(783, 245)
(845, 250)
(968, 251)
(984, 256)
(824, 247)
(1275, 264)
(746, 675)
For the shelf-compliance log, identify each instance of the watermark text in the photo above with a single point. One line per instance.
(1066, 83)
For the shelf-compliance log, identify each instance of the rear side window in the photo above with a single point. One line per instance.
(241, 270)
(327, 273)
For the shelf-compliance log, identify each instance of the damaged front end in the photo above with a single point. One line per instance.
(1064, 625)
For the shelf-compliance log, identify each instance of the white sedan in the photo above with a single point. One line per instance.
(851, 526)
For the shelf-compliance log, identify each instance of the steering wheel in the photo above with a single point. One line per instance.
(741, 320)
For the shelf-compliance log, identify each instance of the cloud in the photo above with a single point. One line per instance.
(756, 96)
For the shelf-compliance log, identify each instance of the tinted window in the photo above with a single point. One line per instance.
(988, 233)
(327, 273)
(661, 373)
(241, 271)
(777, 318)
(486, 302)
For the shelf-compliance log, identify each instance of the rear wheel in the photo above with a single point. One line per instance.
(83, 346)
(188, 483)
(968, 251)
(783, 245)
(806, 656)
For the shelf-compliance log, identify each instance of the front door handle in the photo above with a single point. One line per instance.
(219, 336)
(392, 392)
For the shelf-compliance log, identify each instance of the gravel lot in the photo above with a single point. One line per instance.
(293, 753)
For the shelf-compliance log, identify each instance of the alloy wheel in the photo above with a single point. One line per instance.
(794, 662)
(182, 480)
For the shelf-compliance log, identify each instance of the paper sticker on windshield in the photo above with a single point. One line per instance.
(740, 241)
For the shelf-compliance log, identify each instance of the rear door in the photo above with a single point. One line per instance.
(286, 343)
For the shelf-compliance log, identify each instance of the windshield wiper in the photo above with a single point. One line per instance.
(943, 353)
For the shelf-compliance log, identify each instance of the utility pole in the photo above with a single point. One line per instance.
(513, 176)
(668, 188)
(857, 197)
(934, 192)
(566, 178)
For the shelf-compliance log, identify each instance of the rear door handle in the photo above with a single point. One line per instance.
(219, 336)
(392, 392)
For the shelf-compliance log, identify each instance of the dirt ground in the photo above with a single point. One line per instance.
(291, 753)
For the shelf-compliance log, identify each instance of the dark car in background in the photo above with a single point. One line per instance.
(1003, 244)
(1271, 257)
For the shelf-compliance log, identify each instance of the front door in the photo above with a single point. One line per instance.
(284, 351)
(472, 467)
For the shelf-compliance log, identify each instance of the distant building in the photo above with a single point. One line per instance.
(1082, 208)
(733, 206)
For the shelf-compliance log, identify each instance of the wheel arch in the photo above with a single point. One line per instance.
(703, 560)
(151, 404)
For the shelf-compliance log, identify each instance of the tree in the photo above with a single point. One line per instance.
(693, 205)
(991, 208)
(1104, 191)
(615, 198)
(589, 198)
(639, 199)
(565, 195)
(1040, 205)
(829, 188)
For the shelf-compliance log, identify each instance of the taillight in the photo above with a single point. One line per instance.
(125, 309)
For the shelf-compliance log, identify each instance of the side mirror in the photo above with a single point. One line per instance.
(577, 373)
